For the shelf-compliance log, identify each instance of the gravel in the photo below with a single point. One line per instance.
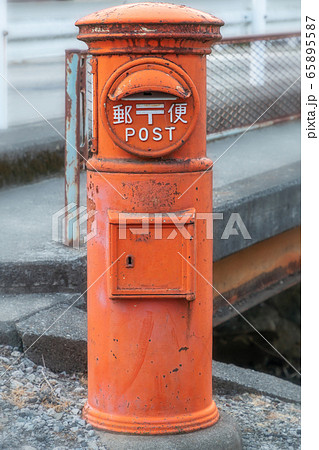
(265, 423)
(40, 409)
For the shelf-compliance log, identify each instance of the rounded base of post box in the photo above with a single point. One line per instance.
(184, 423)
(225, 434)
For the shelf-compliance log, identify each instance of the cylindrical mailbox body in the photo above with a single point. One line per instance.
(149, 260)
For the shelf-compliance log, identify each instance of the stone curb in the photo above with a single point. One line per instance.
(63, 341)
(230, 377)
(15, 308)
(59, 274)
(260, 201)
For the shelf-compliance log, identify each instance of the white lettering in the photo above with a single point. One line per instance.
(121, 114)
(170, 132)
(129, 132)
(176, 111)
(149, 110)
(157, 132)
(145, 130)
(144, 133)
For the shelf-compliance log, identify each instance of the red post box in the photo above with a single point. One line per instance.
(149, 309)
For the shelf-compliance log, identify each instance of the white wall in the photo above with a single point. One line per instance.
(43, 29)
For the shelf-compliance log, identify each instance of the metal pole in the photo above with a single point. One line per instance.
(3, 66)
(76, 145)
(72, 158)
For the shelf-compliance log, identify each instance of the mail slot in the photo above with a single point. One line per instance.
(149, 262)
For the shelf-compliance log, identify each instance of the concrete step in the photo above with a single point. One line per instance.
(30, 261)
(29, 152)
(57, 335)
(17, 308)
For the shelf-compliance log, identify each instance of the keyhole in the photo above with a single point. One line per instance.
(129, 261)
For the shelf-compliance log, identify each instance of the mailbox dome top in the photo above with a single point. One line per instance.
(155, 13)
(153, 28)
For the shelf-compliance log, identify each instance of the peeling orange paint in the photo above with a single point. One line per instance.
(150, 314)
